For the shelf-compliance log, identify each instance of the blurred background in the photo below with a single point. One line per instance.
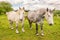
(9, 5)
(33, 4)
(51, 32)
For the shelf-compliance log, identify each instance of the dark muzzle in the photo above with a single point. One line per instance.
(20, 19)
(50, 24)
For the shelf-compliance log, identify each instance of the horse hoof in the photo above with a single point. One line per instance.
(12, 28)
(37, 34)
(42, 34)
(23, 30)
(17, 31)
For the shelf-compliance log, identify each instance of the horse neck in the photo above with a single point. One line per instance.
(18, 12)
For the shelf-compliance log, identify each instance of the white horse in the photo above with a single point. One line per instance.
(37, 16)
(16, 16)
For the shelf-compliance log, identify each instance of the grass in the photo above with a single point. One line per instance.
(51, 32)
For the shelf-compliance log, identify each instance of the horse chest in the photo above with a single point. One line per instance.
(35, 18)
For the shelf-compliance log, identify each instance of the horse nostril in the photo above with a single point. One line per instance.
(50, 24)
(20, 19)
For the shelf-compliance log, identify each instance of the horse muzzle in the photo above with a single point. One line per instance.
(50, 24)
(20, 19)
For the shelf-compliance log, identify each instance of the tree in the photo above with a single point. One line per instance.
(5, 7)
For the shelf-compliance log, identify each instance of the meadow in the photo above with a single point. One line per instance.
(51, 32)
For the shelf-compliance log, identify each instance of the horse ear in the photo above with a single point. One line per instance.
(47, 9)
(19, 8)
(23, 8)
(53, 9)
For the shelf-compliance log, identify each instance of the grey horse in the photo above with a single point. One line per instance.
(37, 17)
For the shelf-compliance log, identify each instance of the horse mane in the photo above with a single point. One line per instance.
(15, 10)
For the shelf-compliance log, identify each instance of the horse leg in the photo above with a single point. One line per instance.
(41, 25)
(11, 22)
(30, 23)
(23, 26)
(17, 27)
(37, 29)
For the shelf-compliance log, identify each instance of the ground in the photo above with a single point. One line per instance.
(51, 32)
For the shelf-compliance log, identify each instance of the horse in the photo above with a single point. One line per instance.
(16, 16)
(37, 17)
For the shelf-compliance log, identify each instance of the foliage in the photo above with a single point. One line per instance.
(57, 12)
(5, 7)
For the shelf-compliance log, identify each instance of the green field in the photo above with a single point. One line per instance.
(51, 32)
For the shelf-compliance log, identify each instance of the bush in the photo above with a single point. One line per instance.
(57, 12)
(5, 7)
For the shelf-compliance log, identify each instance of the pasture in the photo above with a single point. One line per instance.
(51, 32)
